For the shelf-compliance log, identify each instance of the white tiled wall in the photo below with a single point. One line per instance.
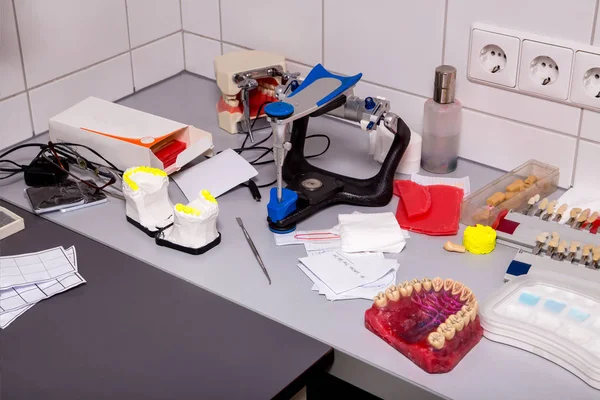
(396, 44)
(123, 45)
(56, 53)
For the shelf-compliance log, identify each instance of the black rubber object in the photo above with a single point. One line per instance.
(142, 227)
(200, 250)
(376, 191)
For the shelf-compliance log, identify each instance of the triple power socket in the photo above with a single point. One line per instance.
(558, 70)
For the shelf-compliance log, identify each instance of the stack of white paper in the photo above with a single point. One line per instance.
(28, 278)
(343, 276)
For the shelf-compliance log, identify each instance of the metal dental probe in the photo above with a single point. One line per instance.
(253, 248)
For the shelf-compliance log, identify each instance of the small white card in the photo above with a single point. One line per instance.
(342, 273)
(218, 175)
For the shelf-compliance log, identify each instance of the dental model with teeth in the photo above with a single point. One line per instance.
(230, 107)
(147, 203)
(433, 322)
(194, 228)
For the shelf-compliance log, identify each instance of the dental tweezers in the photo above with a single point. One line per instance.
(253, 248)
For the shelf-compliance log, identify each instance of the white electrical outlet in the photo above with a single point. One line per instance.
(545, 69)
(585, 88)
(493, 58)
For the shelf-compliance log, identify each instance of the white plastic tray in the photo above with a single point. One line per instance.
(560, 322)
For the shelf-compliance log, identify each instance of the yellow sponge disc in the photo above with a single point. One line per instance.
(479, 239)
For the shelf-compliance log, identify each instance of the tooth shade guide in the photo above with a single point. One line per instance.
(406, 325)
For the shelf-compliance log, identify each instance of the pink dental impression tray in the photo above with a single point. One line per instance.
(432, 322)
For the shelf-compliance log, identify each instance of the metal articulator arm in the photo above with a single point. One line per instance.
(309, 188)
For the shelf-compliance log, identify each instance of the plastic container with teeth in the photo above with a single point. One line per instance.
(429, 323)
(551, 312)
(475, 210)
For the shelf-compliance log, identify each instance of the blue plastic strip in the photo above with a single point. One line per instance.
(578, 315)
(528, 299)
(554, 306)
(319, 72)
(517, 268)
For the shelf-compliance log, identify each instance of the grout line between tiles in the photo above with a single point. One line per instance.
(577, 147)
(516, 121)
(182, 35)
(156, 40)
(79, 70)
(220, 28)
(203, 36)
(323, 32)
(129, 42)
(594, 21)
(445, 25)
(23, 68)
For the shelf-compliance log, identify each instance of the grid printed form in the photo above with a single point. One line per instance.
(7, 318)
(32, 268)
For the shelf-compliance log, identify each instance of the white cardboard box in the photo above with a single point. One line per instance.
(128, 137)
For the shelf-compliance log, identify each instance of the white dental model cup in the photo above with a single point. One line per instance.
(147, 203)
(194, 229)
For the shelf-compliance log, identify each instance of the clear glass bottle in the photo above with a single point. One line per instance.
(442, 120)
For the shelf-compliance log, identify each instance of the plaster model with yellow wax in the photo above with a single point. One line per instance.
(194, 228)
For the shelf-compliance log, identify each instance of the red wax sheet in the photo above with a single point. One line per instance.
(442, 217)
(415, 198)
(405, 325)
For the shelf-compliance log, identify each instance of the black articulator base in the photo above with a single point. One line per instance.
(318, 189)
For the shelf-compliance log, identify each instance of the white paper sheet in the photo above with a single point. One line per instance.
(8, 317)
(15, 301)
(341, 273)
(27, 269)
(218, 174)
(462, 183)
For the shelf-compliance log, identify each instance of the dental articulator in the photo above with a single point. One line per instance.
(249, 79)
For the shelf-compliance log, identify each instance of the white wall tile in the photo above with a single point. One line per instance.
(151, 19)
(590, 125)
(228, 48)
(407, 106)
(565, 20)
(399, 45)
(200, 53)
(15, 124)
(109, 80)
(293, 31)
(11, 71)
(157, 61)
(504, 144)
(201, 17)
(61, 36)
(588, 164)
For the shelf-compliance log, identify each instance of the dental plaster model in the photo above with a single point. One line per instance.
(432, 322)
(236, 66)
(194, 227)
(147, 203)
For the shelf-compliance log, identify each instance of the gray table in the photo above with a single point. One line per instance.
(490, 370)
(134, 332)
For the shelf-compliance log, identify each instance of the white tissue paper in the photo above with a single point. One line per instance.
(371, 232)
(380, 141)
